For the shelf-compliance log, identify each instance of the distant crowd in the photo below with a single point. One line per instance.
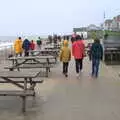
(21, 46)
(78, 51)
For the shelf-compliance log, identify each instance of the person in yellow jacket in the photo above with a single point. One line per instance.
(18, 47)
(65, 57)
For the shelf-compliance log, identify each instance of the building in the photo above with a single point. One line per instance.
(112, 24)
(93, 27)
(108, 24)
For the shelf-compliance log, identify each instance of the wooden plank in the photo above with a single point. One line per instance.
(35, 66)
(18, 74)
(31, 57)
(16, 93)
(44, 51)
(22, 81)
(27, 66)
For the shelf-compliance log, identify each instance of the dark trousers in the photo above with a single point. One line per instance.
(95, 67)
(79, 65)
(26, 53)
(65, 67)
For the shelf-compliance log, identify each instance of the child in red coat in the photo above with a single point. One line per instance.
(32, 46)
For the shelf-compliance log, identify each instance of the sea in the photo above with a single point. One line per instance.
(7, 41)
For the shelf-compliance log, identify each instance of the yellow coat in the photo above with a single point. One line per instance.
(18, 46)
(65, 54)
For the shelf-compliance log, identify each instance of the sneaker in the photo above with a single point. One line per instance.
(80, 72)
(77, 75)
(66, 75)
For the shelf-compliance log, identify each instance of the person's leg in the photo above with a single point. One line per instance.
(81, 64)
(21, 54)
(25, 53)
(93, 67)
(63, 68)
(77, 65)
(97, 67)
(16, 55)
(66, 69)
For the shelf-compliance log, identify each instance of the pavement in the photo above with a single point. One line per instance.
(72, 98)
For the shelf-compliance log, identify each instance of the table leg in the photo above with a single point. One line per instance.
(25, 84)
(32, 84)
(48, 62)
(111, 57)
(16, 63)
(47, 69)
(24, 103)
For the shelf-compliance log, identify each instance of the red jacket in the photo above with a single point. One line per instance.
(78, 49)
(32, 46)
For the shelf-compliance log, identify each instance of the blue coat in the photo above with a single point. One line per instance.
(26, 44)
(96, 51)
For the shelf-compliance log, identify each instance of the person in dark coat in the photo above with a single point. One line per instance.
(96, 54)
(26, 47)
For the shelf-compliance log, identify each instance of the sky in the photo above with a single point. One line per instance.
(43, 17)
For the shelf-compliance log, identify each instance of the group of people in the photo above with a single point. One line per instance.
(21, 46)
(78, 52)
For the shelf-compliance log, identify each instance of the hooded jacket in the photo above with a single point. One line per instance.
(32, 46)
(18, 46)
(78, 49)
(65, 54)
(26, 44)
(96, 51)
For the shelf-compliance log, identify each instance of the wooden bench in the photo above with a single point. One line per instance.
(21, 81)
(16, 93)
(30, 66)
(22, 94)
(13, 78)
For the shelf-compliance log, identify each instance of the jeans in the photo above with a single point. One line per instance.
(95, 67)
(79, 65)
(65, 67)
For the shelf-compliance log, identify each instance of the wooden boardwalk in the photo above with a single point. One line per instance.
(61, 98)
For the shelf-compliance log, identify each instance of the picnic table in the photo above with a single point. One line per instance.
(45, 52)
(52, 47)
(21, 62)
(16, 78)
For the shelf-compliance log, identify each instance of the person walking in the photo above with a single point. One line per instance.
(65, 57)
(96, 54)
(26, 47)
(32, 46)
(39, 43)
(78, 51)
(18, 47)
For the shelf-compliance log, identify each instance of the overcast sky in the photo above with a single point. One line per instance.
(52, 16)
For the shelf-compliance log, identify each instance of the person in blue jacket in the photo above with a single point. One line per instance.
(26, 47)
(96, 54)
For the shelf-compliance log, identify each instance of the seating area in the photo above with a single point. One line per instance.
(26, 80)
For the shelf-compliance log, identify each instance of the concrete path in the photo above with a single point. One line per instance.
(60, 98)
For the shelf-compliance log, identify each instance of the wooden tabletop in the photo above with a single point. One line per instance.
(49, 50)
(18, 74)
(32, 57)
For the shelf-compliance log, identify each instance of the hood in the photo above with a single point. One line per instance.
(65, 43)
